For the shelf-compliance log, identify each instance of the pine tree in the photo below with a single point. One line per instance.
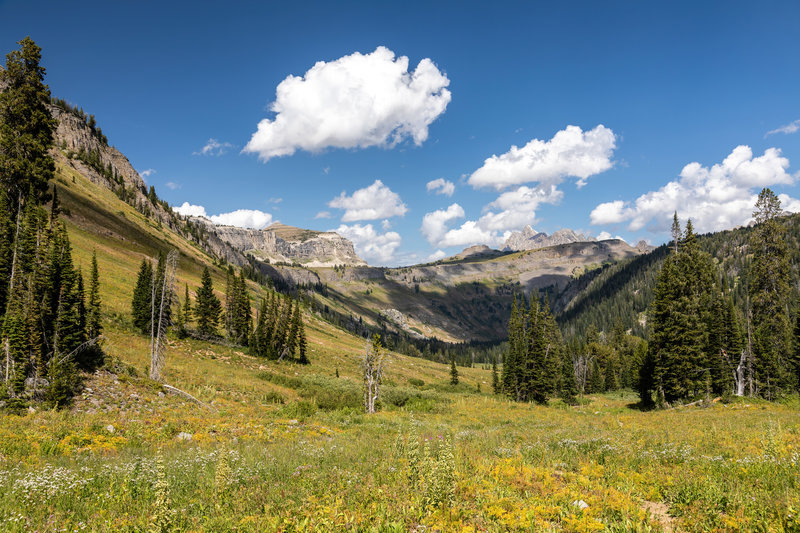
(141, 305)
(769, 295)
(207, 306)
(453, 372)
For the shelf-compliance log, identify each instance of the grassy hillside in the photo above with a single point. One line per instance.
(283, 447)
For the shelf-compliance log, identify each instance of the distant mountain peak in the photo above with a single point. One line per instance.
(530, 239)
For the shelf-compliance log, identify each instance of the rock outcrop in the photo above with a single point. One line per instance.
(279, 243)
(530, 239)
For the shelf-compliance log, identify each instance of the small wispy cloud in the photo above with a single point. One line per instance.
(792, 127)
(147, 173)
(214, 147)
(441, 186)
(326, 170)
(171, 185)
(323, 214)
(275, 200)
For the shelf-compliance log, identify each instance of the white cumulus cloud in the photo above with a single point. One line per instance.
(356, 101)
(570, 153)
(715, 198)
(374, 247)
(434, 224)
(370, 203)
(792, 127)
(441, 186)
(189, 210)
(435, 256)
(241, 218)
(214, 147)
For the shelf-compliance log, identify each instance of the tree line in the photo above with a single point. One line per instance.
(705, 333)
(50, 323)
(276, 332)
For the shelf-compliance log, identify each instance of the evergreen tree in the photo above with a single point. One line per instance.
(180, 321)
(141, 304)
(294, 331)
(679, 321)
(26, 128)
(769, 296)
(496, 387)
(187, 305)
(302, 346)
(93, 326)
(453, 372)
(207, 306)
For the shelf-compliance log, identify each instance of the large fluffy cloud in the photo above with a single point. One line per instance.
(241, 218)
(715, 198)
(434, 224)
(570, 153)
(374, 247)
(370, 203)
(356, 101)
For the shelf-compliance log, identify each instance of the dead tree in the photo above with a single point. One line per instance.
(161, 302)
(372, 364)
(580, 366)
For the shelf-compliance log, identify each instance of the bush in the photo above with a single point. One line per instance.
(279, 379)
(414, 382)
(299, 410)
(273, 397)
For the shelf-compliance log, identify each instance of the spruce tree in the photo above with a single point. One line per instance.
(187, 305)
(769, 296)
(93, 326)
(453, 372)
(680, 320)
(207, 306)
(302, 346)
(26, 128)
(496, 388)
(141, 304)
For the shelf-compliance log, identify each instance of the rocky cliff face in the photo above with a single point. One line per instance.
(530, 239)
(284, 244)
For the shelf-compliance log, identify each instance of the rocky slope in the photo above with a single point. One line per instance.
(279, 243)
(530, 239)
(466, 297)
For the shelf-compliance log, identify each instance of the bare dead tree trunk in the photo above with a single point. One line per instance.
(750, 383)
(6, 343)
(161, 322)
(374, 357)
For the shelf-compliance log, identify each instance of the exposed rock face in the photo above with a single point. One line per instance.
(284, 244)
(530, 239)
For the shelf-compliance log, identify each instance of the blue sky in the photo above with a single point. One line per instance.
(620, 112)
